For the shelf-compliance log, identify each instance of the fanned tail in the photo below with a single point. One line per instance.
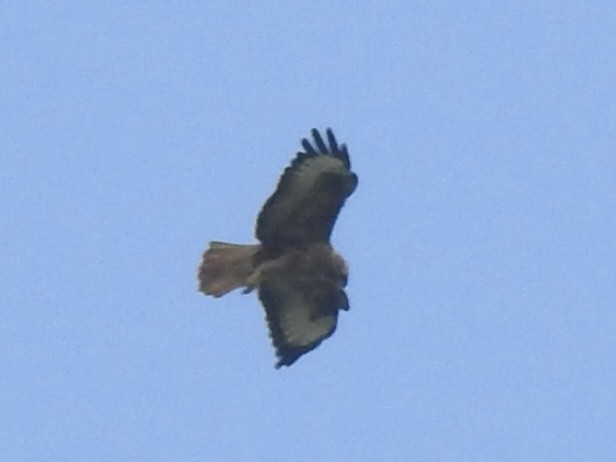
(225, 267)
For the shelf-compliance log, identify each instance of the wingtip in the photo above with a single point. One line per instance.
(286, 361)
(318, 140)
(317, 146)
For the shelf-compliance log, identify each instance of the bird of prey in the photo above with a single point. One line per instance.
(299, 277)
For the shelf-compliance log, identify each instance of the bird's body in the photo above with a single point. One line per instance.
(297, 273)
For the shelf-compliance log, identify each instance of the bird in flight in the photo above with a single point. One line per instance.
(297, 273)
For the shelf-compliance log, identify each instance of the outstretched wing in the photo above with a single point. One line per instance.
(309, 196)
(300, 314)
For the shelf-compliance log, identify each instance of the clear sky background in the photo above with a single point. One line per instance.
(481, 239)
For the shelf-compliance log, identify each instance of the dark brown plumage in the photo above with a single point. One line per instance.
(299, 276)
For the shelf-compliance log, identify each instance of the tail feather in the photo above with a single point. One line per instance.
(225, 267)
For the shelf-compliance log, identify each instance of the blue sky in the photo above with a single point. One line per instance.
(480, 239)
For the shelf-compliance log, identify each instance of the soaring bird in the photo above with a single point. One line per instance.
(299, 276)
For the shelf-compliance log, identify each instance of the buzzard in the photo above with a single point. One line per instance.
(299, 276)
